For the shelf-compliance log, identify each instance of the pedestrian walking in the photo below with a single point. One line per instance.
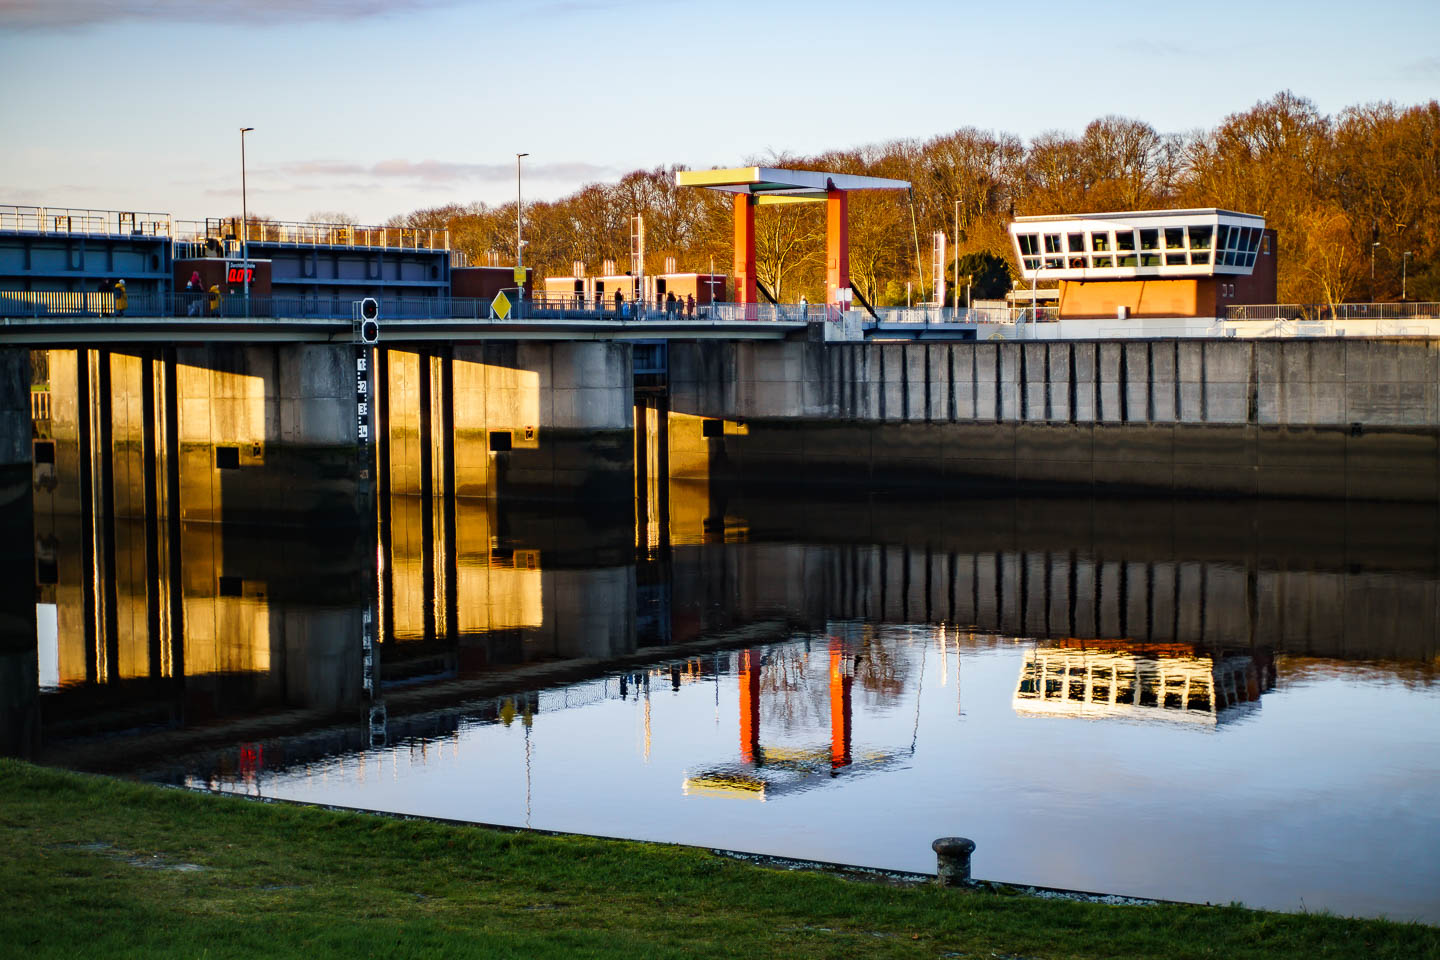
(804, 308)
(689, 305)
(194, 294)
(122, 299)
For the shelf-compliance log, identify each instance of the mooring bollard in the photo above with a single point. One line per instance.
(952, 856)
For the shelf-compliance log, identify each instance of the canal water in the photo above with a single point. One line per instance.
(1187, 700)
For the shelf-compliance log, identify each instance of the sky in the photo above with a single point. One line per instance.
(379, 107)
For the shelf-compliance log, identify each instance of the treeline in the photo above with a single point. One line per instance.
(1339, 190)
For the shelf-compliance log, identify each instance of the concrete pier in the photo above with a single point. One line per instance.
(526, 420)
(268, 433)
(1289, 418)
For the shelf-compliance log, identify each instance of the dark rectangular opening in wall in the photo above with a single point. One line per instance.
(227, 458)
(500, 440)
(712, 428)
(44, 451)
(229, 586)
(47, 571)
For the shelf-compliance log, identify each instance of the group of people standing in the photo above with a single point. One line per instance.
(675, 307)
(672, 305)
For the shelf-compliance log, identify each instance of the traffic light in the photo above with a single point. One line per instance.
(369, 321)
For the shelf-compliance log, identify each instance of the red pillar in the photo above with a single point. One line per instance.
(837, 245)
(745, 252)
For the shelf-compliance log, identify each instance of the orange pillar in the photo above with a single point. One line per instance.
(839, 708)
(837, 245)
(745, 252)
(749, 706)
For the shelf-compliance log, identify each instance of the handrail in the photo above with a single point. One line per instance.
(1403, 310)
(289, 233)
(73, 220)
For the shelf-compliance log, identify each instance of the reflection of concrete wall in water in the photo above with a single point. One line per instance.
(1314, 418)
(1060, 594)
(510, 606)
(1200, 688)
(17, 613)
(300, 650)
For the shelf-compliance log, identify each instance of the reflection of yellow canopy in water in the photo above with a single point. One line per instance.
(725, 783)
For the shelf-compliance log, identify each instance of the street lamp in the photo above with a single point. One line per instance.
(1404, 263)
(519, 243)
(1373, 245)
(244, 223)
(957, 259)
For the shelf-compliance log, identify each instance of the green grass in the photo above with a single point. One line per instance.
(96, 867)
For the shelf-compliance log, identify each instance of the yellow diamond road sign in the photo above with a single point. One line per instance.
(500, 306)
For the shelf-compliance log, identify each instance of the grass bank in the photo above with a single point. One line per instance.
(95, 867)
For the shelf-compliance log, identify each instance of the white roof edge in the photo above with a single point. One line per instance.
(803, 181)
(1131, 214)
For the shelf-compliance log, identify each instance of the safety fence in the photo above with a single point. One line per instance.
(1328, 312)
(17, 305)
(71, 220)
(230, 229)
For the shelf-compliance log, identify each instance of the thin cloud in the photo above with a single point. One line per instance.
(1426, 68)
(444, 171)
(71, 14)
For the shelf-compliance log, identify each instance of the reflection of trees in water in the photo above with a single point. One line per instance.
(1414, 675)
(882, 665)
(795, 678)
(794, 693)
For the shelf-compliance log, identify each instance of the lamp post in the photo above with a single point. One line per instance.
(1034, 276)
(957, 259)
(1373, 245)
(244, 223)
(1404, 264)
(519, 243)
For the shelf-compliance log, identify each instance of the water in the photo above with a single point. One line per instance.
(1197, 701)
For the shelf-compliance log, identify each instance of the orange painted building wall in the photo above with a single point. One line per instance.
(1178, 297)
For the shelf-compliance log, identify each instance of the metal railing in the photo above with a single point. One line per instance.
(52, 305)
(935, 316)
(285, 233)
(36, 305)
(70, 220)
(1325, 312)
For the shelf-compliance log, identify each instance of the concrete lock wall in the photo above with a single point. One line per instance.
(1309, 418)
(541, 420)
(258, 434)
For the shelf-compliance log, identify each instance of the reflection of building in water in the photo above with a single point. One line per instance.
(784, 676)
(1152, 682)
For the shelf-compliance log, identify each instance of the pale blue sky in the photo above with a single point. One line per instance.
(377, 108)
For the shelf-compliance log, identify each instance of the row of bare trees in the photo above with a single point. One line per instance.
(1339, 190)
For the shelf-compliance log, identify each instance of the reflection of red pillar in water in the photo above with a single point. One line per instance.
(749, 706)
(252, 758)
(839, 708)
